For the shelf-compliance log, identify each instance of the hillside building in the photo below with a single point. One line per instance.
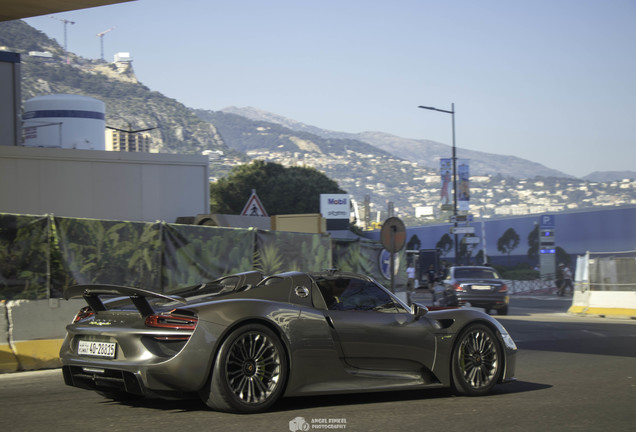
(127, 142)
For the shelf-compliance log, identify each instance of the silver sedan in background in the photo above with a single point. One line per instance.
(476, 286)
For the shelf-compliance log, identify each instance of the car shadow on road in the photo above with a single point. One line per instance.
(307, 402)
(519, 387)
(310, 402)
(176, 405)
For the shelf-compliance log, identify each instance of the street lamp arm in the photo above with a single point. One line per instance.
(454, 159)
(436, 109)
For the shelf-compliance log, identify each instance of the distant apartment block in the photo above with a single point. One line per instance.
(127, 141)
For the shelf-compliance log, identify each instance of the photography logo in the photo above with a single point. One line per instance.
(298, 424)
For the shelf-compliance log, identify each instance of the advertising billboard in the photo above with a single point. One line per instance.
(335, 206)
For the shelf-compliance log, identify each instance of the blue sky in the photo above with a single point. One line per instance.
(551, 81)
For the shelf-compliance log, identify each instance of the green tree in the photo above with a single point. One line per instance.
(465, 249)
(479, 257)
(445, 244)
(508, 241)
(562, 257)
(414, 243)
(293, 190)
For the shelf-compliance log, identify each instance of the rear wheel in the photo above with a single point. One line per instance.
(249, 372)
(503, 310)
(477, 361)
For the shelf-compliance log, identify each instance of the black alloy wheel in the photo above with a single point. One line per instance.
(249, 372)
(477, 361)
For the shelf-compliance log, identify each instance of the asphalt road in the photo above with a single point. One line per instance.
(574, 373)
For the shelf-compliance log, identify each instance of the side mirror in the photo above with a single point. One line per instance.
(418, 310)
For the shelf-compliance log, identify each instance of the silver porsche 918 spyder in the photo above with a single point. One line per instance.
(244, 341)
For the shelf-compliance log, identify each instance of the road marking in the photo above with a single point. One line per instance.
(594, 333)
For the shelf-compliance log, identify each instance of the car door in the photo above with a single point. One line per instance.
(375, 331)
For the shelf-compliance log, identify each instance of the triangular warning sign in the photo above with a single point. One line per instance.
(254, 207)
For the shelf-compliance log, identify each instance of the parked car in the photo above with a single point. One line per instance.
(477, 286)
(243, 341)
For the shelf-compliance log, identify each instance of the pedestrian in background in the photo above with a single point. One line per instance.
(567, 281)
(431, 276)
(559, 279)
(410, 277)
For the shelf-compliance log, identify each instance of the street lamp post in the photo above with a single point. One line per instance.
(454, 159)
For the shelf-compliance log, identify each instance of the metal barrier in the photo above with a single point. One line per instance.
(537, 286)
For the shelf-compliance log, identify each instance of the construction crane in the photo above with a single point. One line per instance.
(65, 22)
(101, 39)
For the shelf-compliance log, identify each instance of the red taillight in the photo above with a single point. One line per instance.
(83, 313)
(503, 288)
(172, 322)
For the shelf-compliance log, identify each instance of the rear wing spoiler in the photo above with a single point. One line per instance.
(139, 297)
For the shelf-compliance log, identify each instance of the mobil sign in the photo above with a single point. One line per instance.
(334, 206)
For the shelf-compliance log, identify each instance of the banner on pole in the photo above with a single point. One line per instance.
(446, 173)
(463, 185)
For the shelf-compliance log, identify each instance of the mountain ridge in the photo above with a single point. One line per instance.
(195, 137)
(388, 169)
(425, 152)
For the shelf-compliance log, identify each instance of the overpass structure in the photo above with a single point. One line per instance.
(13, 10)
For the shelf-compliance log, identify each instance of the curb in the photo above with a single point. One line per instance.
(8, 360)
(603, 312)
(30, 355)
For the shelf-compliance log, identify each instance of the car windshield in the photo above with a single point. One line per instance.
(475, 273)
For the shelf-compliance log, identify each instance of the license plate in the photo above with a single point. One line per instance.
(481, 287)
(97, 349)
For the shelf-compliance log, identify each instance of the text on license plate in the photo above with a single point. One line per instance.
(481, 287)
(98, 349)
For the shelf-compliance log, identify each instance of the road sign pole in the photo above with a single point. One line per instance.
(392, 263)
(393, 238)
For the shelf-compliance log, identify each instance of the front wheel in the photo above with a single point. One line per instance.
(249, 371)
(477, 361)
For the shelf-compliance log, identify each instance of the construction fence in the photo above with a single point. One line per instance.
(605, 284)
(40, 256)
(607, 271)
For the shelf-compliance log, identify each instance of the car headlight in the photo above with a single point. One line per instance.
(508, 341)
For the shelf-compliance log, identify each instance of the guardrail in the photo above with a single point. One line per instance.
(537, 286)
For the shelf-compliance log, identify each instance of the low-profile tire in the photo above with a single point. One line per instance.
(249, 371)
(477, 361)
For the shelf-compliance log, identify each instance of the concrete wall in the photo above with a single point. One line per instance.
(605, 293)
(618, 304)
(32, 331)
(102, 185)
